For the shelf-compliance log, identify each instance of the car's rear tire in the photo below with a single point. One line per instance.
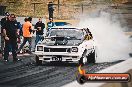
(91, 57)
(38, 62)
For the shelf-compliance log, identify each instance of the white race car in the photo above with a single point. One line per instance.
(67, 45)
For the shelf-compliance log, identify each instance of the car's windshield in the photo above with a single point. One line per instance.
(65, 37)
(73, 33)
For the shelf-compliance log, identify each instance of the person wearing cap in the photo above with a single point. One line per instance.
(27, 29)
(3, 20)
(11, 32)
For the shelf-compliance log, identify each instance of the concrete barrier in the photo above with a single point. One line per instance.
(122, 67)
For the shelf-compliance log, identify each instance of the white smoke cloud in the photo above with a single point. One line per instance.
(112, 43)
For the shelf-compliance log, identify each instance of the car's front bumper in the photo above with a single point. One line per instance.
(55, 56)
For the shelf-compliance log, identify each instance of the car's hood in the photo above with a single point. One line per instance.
(64, 41)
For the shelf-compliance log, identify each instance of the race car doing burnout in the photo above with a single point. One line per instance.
(67, 45)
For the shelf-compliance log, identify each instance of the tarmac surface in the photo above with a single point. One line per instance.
(26, 73)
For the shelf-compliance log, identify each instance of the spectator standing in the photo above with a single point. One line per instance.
(3, 20)
(50, 24)
(20, 31)
(50, 9)
(39, 32)
(11, 31)
(27, 29)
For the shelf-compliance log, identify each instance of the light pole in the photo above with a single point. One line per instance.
(34, 4)
(58, 6)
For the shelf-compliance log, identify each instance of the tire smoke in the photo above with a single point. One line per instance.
(112, 43)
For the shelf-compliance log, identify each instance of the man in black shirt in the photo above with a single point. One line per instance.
(39, 32)
(3, 20)
(50, 9)
(11, 31)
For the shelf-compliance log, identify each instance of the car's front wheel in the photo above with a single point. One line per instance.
(91, 57)
(83, 59)
(38, 62)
